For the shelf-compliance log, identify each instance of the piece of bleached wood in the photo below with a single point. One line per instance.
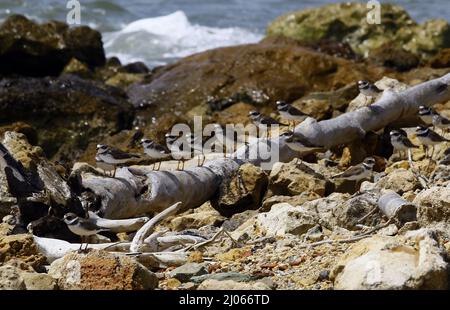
(161, 259)
(55, 248)
(391, 107)
(139, 190)
(165, 242)
(127, 225)
(138, 241)
(348, 240)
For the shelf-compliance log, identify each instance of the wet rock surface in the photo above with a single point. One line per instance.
(78, 110)
(347, 22)
(34, 49)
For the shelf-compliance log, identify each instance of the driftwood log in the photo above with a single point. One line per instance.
(117, 226)
(53, 249)
(139, 190)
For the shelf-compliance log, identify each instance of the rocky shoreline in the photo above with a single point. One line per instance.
(293, 227)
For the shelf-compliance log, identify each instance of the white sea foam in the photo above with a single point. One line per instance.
(162, 39)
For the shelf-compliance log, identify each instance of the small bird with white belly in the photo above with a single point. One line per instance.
(441, 122)
(426, 115)
(82, 227)
(197, 148)
(400, 141)
(368, 89)
(113, 156)
(155, 151)
(299, 143)
(104, 166)
(428, 138)
(263, 122)
(180, 148)
(358, 172)
(290, 113)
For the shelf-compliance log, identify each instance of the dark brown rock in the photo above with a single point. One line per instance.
(255, 74)
(442, 59)
(67, 112)
(394, 57)
(34, 49)
(243, 192)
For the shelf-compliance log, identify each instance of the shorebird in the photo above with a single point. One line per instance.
(180, 148)
(104, 166)
(221, 139)
(113, 156)
(197, 148)
(82, 227)
(357, 173)
(368, 89)
(298, 142)
(441, 122)
(155, 151)
(428, 137)
(263, 122)
(400, 141)
(426, 115)
(290, 113)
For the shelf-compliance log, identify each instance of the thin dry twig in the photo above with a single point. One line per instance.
(373, 211)
(213, 238)
(147, 229)
(353, 239)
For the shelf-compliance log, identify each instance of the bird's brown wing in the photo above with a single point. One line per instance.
(118, 154)
(436, 137)
(355, 170)
(408, 142)
(90, 225)
(296, 112)
(445, 121)
(269, 121)
(160, 148)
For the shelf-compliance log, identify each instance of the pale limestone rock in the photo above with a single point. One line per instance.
(433, 205)
(413, 261)
(285, 219)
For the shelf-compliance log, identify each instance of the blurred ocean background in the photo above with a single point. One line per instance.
(161, 31)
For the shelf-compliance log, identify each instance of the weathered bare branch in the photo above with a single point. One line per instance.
(117, 226)
(138, 241)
